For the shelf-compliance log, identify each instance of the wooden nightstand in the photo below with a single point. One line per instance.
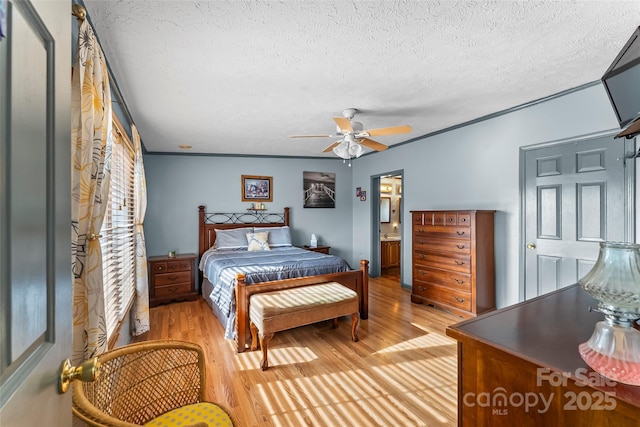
(172, 279)
(321, 249)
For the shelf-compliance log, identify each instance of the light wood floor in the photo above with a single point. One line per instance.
(402, 372)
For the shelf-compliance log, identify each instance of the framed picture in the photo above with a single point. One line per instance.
(358, 191)
(363, 196)
(257, 188)
(386, 188)
(319, 189)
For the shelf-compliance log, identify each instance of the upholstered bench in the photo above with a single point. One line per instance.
(271, 312)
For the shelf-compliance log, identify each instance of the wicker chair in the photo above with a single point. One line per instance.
(146, 384)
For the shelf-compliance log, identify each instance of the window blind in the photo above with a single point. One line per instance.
(118, 238)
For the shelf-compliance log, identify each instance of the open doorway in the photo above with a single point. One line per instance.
(387, 226)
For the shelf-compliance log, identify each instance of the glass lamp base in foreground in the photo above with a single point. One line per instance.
(614, 352)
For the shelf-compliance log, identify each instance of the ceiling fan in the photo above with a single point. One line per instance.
(354, 136)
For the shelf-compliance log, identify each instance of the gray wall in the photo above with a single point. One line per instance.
(472, 167)
(477, 167)
(177, 184)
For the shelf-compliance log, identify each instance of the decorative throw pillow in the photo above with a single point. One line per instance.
(258, 241)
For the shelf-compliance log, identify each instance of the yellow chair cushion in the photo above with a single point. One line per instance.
(197, 413)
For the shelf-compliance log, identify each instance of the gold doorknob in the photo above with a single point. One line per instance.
(531, 246)
(88, 371)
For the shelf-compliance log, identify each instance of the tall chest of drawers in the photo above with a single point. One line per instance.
(172, 279)
(453, 261)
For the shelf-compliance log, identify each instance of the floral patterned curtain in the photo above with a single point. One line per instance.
(141, 302)
(90, 176)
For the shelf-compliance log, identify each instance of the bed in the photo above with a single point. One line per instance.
(229, 274)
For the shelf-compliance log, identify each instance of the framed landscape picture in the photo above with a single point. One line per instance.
(319, 189)
(257, 188)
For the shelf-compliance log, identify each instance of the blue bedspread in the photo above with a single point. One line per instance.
(221, 267)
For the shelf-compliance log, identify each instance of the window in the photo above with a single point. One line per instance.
(118, 238)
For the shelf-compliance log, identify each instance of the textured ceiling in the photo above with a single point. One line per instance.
(240, 77)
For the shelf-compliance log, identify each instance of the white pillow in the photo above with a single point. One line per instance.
(258, 241)
(278, 236)
(232, 239)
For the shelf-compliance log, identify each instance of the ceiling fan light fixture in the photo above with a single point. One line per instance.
(355, 150)
(342, 150)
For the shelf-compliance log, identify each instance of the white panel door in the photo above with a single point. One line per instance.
(35, 229)
(574, 199)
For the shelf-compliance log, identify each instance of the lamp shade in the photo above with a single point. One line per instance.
(615, 278)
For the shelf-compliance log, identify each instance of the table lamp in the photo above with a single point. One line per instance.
(614, 348)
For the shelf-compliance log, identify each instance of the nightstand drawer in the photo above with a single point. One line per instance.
(173, 290)
(179, 265)
(171, 278)
(159, 267)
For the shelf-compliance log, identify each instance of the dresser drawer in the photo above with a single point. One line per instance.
(172, 290)
(172, 278)
(464, 220)
(454, 262)
(417, 218)
(449, 279)
(446, 296)
(442, 232)
(456, 246)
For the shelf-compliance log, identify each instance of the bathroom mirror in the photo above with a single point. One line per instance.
(385, 209)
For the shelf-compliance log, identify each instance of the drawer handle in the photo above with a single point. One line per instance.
(458, 262)
(460, 246)
(450, 219)
(172, 278)
(173, 267)
(422, 272)
(422, 288)
(159, 268)
(460, 233)
(459, 299)
(421, 256)
(172, 290)
(459, 281)
(464, 219)
(438, 219)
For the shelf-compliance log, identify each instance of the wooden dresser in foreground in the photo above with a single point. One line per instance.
(453, 262)
(172, 279)
(520, 366)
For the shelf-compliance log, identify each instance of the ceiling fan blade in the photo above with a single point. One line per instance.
(343, 124)
(388, 131)
(331, 147)
(310, 136)
(372, 144)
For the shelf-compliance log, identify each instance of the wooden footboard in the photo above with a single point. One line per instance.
(358, 280)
